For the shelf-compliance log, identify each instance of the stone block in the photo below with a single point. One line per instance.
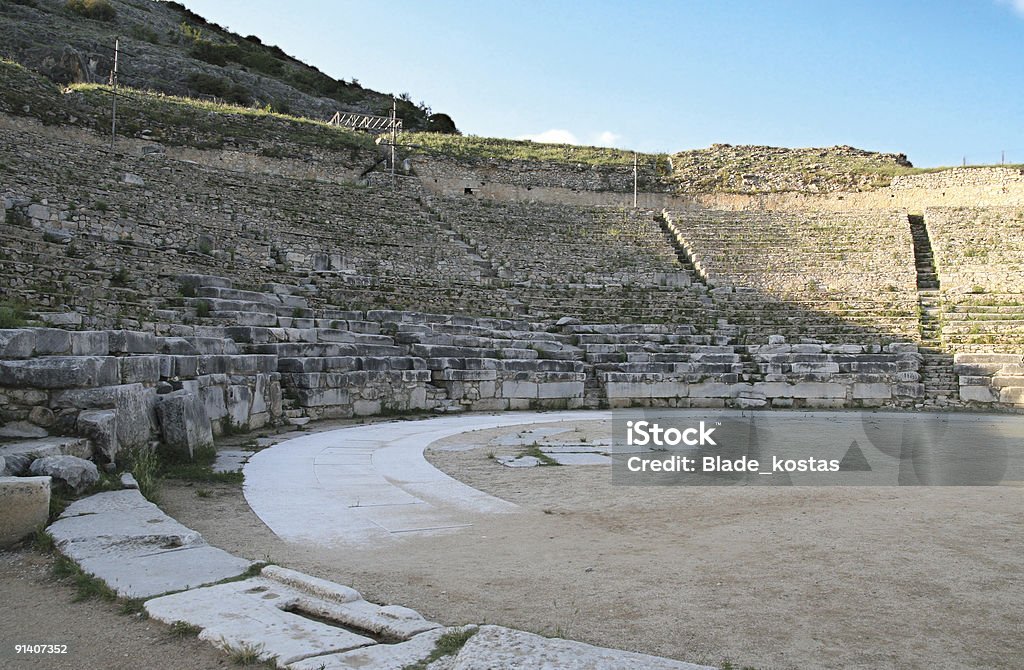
(184, 424)
(239, 402)
(76, 473)
(140, 369)
(100, 426)
(21, 430)
(1011, 395)
(213, 401)
(133, 403)
(518, 389)
(89, 343)
(24, 507)
(560, 390)
(712, 390)
(52, 341)
(909, 390)
(17, 343)
(59, 372)
(626, 390)
(132, 342)
(978, 394)
(872, 391)
(818, 390)
(322, 397)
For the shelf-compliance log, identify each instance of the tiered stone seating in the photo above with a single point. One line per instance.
(978, 255)
(834, 277)
(596, 264)
(101, 231)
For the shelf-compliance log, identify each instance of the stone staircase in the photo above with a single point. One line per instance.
(940, 382)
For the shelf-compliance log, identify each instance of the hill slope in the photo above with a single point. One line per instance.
(173, 50)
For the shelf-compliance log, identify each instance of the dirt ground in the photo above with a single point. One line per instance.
(759, 576)
(38, 610)
(767, 577)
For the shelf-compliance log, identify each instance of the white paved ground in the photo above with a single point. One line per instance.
(370, 483)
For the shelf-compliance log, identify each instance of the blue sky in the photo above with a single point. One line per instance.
(937, 79)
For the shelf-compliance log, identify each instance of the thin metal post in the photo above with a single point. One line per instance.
(636, 164)
(1002, 158)
(113, 84)
(394, 138)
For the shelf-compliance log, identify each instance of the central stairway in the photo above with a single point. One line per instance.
(940, 382)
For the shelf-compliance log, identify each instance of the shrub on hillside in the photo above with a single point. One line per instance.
(208, 84)
(441, 123)
(100, 10)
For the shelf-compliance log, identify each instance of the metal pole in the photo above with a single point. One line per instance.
(1002, 158)
(394, 138)
(113, 83)
(636, 160)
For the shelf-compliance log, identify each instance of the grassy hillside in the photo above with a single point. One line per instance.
(169, 49)
(172, 120)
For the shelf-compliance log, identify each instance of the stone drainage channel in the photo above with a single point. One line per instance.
(300, 621)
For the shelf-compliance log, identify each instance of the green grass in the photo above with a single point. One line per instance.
(144, 464)
(183, 629)
(534, 450)
(87, 587)
(193, 122)
(448, 644)
(199, 469)
(246, 654)
(473, 147)
(13, 315)
(97, 10)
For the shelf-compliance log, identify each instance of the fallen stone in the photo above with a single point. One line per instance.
(132, 402)
(128, 481)
(184, 424)
(497, 647)
(100, 426)
(77, 473)
(129, 543)
(24, 507)
(19, 455)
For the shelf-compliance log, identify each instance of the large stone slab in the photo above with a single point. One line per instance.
(184, 424)
(129, 543)
(379, 656)
(24, 507)
(277, 615)
(498, 647)
(59, 372)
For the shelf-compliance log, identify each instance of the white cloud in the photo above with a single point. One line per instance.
(562, 136)
(1017, 5)
(553, 136)
(610, 139)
